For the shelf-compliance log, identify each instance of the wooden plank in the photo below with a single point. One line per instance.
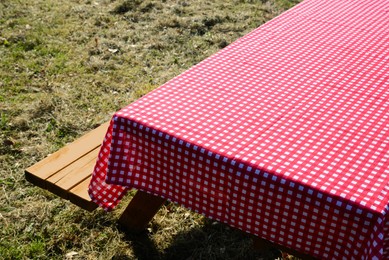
(63, 181)
(78, 175)
(80, 197)
(61, 174)
(140, 211)
(65, 156)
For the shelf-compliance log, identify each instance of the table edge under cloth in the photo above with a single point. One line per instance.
(365, 225)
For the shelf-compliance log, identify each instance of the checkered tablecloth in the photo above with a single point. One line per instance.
(283, 134)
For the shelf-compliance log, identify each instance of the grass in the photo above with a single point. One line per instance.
(65, 67)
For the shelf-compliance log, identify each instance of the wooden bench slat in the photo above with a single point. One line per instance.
(68, 154)
(79, 195)
(71, 170)
(78, 175)
(79, 171)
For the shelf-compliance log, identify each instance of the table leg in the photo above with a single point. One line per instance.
(140, 211)
(144, 206)
(262, 244)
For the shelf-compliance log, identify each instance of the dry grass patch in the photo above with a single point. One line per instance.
(65, 67)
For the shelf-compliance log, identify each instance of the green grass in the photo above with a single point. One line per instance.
(66, 67)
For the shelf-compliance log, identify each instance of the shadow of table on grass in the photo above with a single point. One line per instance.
(211, 241)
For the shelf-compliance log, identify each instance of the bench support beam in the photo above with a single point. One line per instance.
(140, 211)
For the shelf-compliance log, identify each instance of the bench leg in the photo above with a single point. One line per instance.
(140, 211)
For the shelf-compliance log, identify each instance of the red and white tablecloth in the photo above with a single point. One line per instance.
(283, 134)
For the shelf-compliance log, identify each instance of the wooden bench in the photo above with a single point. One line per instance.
(68, 171)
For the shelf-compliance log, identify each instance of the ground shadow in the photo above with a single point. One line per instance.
(143, 246)
(213, 240)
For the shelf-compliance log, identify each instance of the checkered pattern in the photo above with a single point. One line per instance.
(282, 134)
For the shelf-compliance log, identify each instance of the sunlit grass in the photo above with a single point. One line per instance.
(66, 67)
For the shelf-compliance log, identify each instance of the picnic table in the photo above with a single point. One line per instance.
(283, 134)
